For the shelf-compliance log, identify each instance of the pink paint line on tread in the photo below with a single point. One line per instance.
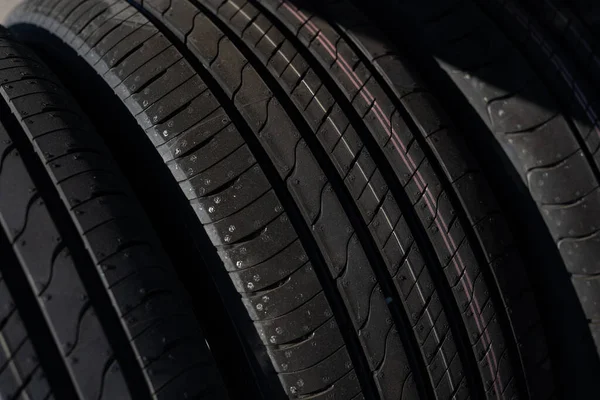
(409, 162)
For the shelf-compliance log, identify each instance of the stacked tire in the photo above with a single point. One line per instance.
(273, 199)
(91, 307)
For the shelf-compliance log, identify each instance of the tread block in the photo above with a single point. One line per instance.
(578, 251)
(277, 234)
(393, 375)
(174, 76)
(186, 117)
(63, 142)
(306, 182)
(279, 136)
(238, 194)
(295, 324)
(157, 114)
(179, 358)
(97, 211)
(145, 74)
(345, 388)
(109, 238)
(169, 328)
(81, 43)
(37, 387)
(290, 294)
(505, 116)
(124, 263)
(207, 154)
(112, 38)
(64, 167)
(135, 289)
(150, 49)
(88, 185)
(188, 384)
(91, 346)
(275, 269)
(557, 184)
(319, 376)
(45, 238)
(219, 174)
(15, 188)
(86, 19)
(180, 16)
(196, 134)
(124, 48)
(576, 219)
(45, 122)
(588, 290)
(333, 231)
(246, 221)
(357, 282)
(113, 383)
(65, 299)
(322, 342)
(374, 332)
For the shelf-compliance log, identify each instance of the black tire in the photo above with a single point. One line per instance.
(521, 79)
(372, 267)
(96, 311)
(570, 25)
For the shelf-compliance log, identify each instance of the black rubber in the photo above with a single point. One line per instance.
(521, 80)
(570, 26)
(358, 229)
(97, 310)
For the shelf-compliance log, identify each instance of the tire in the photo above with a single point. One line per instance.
(90, 304)
(571, 28)
(359, 231)
(521, 79)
